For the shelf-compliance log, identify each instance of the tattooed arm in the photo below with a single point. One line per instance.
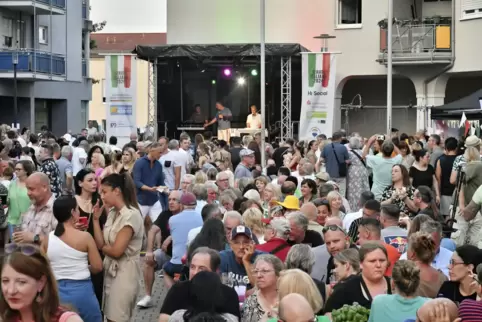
(470, 211)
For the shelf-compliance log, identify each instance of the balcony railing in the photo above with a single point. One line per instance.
(84, 68)
(84, 10)
(417, 44)
(54, 3)
(34, 62)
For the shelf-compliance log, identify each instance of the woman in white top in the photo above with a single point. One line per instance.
(70, 252)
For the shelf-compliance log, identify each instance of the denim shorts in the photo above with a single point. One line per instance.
(172, 269)
(79, 294)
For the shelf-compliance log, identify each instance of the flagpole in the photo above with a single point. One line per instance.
(390, 67)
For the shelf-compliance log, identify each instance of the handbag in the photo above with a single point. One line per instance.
(342, 168)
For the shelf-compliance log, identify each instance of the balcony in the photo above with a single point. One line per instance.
(32, 65)
(39, 7)
(84, 10)
(417, 44)
(84, 68)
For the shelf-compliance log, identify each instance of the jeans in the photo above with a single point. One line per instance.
(80, 295)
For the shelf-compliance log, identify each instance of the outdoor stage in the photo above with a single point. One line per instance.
(184, 75)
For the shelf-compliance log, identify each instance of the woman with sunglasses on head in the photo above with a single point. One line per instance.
(462, 268)
(366, 286)
(29, 289)
(73, 255)
(121, 242)
(18, 200)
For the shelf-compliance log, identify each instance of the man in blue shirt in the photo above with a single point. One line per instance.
(333, 155)
(180, 225)
(148, 177)
(237, 262)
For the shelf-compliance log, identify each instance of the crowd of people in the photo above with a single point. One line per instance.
(328, 223)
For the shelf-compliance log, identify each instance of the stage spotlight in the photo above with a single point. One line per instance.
(213, 82)
(241, 81)
(254, 72)
(227, 72)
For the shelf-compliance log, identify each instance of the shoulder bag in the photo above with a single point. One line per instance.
(342, 168)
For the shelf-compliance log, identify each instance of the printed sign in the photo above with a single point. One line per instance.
(120, 91)
(318, 95)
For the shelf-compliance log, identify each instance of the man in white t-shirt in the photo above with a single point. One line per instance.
(172, 164)
(184, 145)
(254, 119)
(79, 156)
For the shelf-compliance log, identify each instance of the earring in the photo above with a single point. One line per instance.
(38, 298)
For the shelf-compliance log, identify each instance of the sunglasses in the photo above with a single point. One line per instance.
(333, 228)
(27, 250)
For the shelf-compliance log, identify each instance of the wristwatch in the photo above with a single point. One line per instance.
(36, 239)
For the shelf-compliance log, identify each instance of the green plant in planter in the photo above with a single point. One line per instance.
(351, 313)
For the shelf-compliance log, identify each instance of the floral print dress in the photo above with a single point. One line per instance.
(357, 179)
(387, 193)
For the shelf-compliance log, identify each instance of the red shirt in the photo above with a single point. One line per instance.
(393, 256)
(273, 243)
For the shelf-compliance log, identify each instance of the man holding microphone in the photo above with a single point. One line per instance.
(223, 117)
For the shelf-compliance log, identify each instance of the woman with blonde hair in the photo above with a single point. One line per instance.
(129, 157)
(297, 281)
(115, 164)
(404, 303)
(336, 202)
(29, 289)
(204, 155)
(252, 219)
(200, 177)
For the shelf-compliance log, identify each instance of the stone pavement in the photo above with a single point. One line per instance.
(151, 314)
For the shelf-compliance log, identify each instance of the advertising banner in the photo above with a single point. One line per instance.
(318, 95)
(120, 92)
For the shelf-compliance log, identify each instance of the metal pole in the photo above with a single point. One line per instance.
(15, 90)
(263, 82)
(390, 67)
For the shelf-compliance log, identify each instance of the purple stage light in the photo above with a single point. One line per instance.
(227, 72)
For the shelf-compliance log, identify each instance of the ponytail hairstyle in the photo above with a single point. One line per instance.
(62, 209)
(426, 194)
(126, 186)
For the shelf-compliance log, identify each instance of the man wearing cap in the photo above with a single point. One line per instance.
(180, 225)
(276, 237)
(243, 170)
(237, 262)
(322, 178)
(471, 141)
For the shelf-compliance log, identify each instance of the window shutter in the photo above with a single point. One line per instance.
(471, 5)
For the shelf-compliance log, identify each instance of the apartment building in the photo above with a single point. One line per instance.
(46, 42)
(436, 45)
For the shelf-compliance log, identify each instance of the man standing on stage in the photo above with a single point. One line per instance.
(254, 119)
(197, 116)
(223, 117)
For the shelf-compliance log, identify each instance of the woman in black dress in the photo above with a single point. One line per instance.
(87, 196)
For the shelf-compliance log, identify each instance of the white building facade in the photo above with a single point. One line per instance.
(435, 43)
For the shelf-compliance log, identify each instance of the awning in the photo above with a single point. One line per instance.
(470, 105)
(226, 50)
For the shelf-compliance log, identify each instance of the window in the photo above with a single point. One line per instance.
(471, 9)
(349, 12)
(7, 32)
(103, 90)
(43, 35)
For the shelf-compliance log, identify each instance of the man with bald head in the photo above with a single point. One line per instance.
(156, 260)
(295, 308)
(311, 212)
(439, 309)
(39, 219)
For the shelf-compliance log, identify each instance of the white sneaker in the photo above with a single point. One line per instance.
(145, 302)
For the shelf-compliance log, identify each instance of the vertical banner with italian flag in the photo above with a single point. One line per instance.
(120, 92)
(318, 95)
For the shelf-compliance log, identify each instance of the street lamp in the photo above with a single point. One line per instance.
(15, 89)
(262, 80)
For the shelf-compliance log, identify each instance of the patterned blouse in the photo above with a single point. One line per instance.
(387, 193)
(253, 311)
(50, 168)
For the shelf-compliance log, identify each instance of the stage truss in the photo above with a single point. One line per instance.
(151, 129)
(286, 123)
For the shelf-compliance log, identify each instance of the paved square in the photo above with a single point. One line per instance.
(159, 292)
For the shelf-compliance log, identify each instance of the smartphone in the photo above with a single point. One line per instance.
(83, 221)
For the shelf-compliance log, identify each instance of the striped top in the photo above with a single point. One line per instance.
(470, 310)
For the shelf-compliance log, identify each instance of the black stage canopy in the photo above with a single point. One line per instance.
(221, 50)
(470, 105)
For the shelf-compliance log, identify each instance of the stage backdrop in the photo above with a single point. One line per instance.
(120, 92)
(318, 95)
